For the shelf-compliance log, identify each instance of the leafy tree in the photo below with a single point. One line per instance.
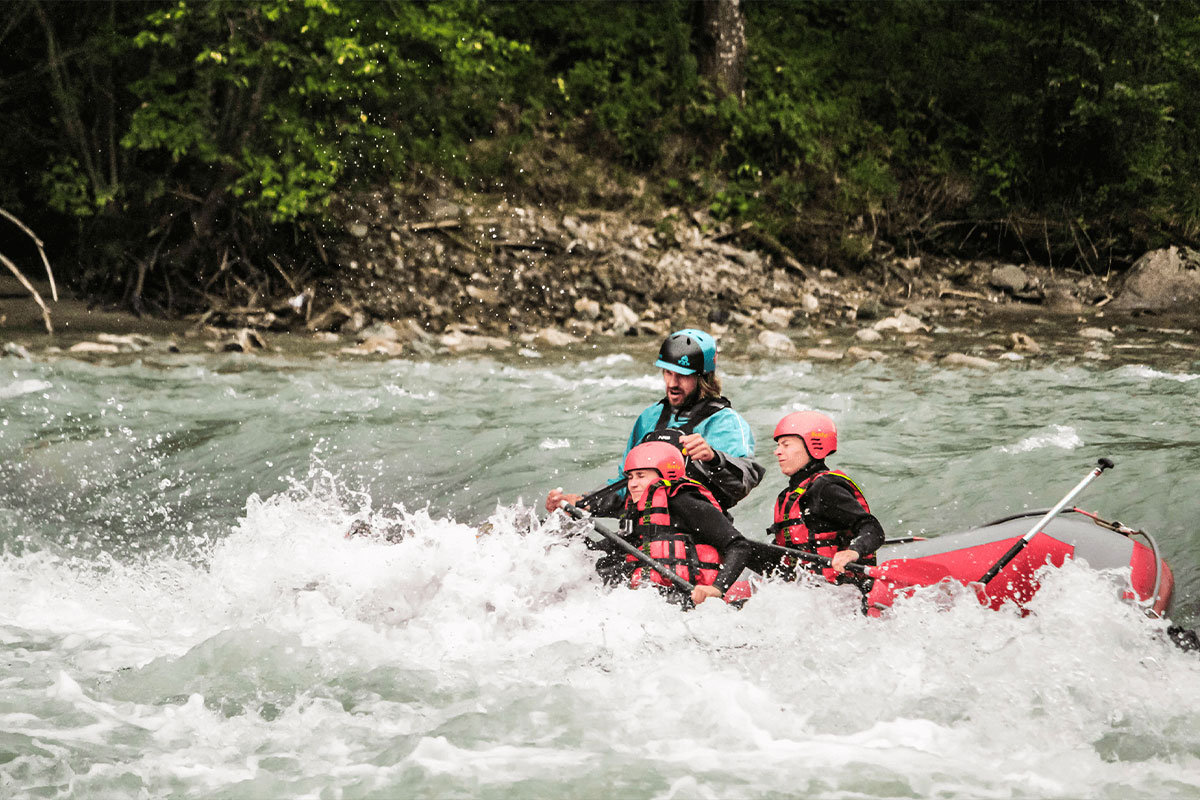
(257, 115)
(619, 72)
(181, 146)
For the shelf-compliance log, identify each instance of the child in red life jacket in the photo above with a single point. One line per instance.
(821, 510)
(676, 521)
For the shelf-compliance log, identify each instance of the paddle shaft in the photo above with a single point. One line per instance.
(814, 558)
(603, 491)
(1019, 545)
(616, 539)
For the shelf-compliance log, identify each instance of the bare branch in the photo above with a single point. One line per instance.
(41, 250)
(25, 282)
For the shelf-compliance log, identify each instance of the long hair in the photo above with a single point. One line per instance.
(709, 386)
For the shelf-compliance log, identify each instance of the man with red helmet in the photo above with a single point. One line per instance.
(676, 521)
(821, 510)
(716, 439)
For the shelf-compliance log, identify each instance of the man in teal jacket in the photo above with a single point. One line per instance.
(695, 417)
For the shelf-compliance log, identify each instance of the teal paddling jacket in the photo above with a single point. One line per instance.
(729, 476)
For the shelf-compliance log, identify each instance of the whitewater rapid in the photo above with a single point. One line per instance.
(182, 615)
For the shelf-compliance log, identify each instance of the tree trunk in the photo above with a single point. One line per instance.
(723, 46)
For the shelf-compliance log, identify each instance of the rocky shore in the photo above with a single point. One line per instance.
(419, 278)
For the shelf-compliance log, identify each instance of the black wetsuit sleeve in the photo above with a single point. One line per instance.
(762, 558)
(710, 526)
(730, 478)
(609, 504)
(837, 509)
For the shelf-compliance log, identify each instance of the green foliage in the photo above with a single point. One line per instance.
(244, 121)
(68, 190)
(285, 103)
(624, 69)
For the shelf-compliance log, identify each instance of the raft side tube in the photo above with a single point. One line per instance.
(967, 554)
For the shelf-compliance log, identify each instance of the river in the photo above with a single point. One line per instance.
(181, 615)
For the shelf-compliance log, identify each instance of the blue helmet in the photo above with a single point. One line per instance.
(687, 352)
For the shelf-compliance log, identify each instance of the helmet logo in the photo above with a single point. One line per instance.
(683, 361)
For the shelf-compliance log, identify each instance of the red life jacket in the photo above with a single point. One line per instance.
(658, 537)
(791, 530)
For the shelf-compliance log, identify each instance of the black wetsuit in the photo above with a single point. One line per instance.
(706, 523)
(827, 505)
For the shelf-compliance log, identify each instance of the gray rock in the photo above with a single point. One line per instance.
(1010, 278)
(624, 318)
(581, 327)
(824, 354)
(776, 317)
(1061, 299)
(355, 323)
(869, 309)
(868, 335)
(444, 210)
(460, 342)
(657, 328)
(863, 354)
(411, 330)
(900, 323)
(552, 337)
(130, 343)
(375, 345)
(1024, 343)
(1162, 280)
(484, 295)
(741, 321)
(380, 331)
(93, 347)
(587, 309)
(776, 343)
(972, 362)
(1098, 334)
(16, 351)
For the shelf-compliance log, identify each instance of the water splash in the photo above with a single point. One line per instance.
(1063, 437)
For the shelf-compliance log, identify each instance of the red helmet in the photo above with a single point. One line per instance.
(661, 456)
(817, 430)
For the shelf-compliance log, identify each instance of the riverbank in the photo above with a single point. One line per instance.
(423, 278)
(981, 337)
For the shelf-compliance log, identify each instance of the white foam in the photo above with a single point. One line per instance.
(1144, 372)
(23, 387)
(1063, 437)
(468, 656)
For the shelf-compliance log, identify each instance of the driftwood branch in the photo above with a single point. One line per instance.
(25, 281)
(29, 286)
(41, 250)
(776, 247)
(444, 224)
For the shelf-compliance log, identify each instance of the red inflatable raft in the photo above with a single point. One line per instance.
(966, 557)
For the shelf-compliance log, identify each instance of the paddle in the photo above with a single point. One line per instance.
(900, 571)
(1019, 545)
(616, 539)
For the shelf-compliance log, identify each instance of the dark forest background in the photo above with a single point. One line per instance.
(154, 146)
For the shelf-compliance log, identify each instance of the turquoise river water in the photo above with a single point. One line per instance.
(182, 617)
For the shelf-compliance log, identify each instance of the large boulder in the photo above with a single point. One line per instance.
(1162, 280)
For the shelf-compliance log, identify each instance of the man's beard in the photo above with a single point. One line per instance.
(687, 402)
